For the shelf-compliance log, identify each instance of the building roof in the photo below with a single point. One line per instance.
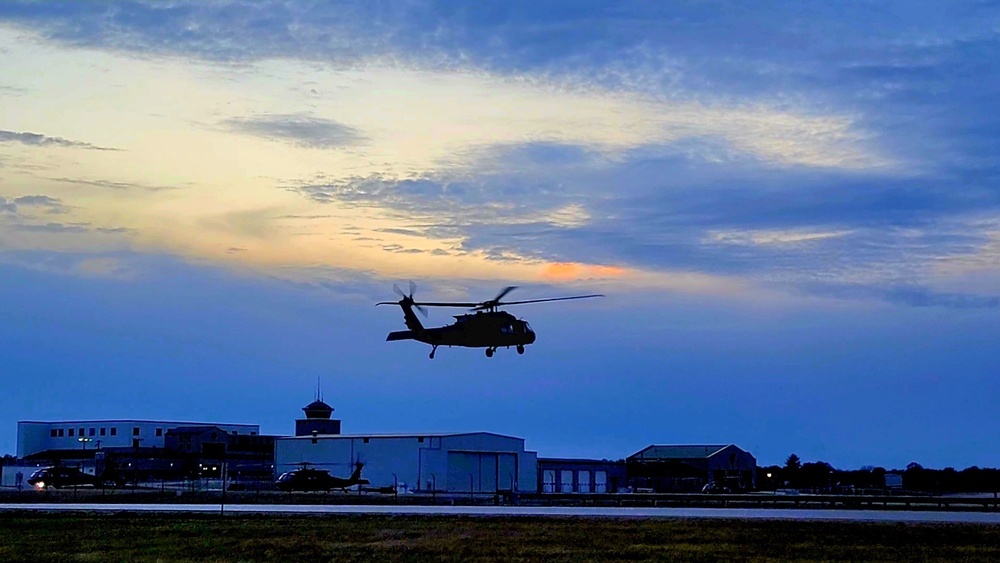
(698, 451)
(195, 430)
(134, 420)
(394, 435)
(569, 460)
(318, 409)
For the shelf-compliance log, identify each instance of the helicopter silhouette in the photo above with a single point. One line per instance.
(308, 478)
(487, 327)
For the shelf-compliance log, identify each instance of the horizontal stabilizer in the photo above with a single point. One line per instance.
(400, 335)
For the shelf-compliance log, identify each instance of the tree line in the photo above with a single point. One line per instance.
(820, 476)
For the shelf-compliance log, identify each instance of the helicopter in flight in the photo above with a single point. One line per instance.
(486, 327)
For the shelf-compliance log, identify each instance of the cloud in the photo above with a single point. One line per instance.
(908, 295)
(58, 228)
(50, 204)
(299, 130)
(758, 237)
(7, 206)
(799, 146)
(39, 140)
(112, 185)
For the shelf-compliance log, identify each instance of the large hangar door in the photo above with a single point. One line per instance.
(506, 471)
(485, 472)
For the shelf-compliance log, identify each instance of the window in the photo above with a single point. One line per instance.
(549, 481)
(60, 432)
(565, 481)
(92, 431)
(135, 431)
(53, 433)
(252, 433)
(71, 432)
(82, 433)
(104, 431)
(159, 432)
(365, 440)
(135, 443)
(114, 430)
(420, 439)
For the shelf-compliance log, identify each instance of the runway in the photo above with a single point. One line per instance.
(522, 511)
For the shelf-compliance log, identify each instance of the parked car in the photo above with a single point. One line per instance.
(715, 488)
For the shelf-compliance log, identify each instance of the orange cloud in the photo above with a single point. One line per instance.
(570, 271)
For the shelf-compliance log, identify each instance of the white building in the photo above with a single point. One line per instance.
(36, 437)
(457, 463)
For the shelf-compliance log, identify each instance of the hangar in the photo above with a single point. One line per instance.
(472, 462)
(667, 469)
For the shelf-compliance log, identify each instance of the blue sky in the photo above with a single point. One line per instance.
(793, 208)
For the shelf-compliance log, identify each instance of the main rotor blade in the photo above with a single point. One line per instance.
(444, 304)
(422, 309)
(398, 291)
(502, 293)
(549, 299)
(413, 288)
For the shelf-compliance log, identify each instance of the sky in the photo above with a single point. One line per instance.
(793, 209)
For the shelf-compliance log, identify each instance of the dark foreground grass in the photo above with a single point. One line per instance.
(385, 538)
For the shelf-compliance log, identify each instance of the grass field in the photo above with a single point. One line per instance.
(382, 538)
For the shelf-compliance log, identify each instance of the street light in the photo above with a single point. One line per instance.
(84, 442)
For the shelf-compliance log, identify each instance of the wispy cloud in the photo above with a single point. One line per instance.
(113, 185)
(39, 140)
(300, 130)
(58, 228)
(50, 204)
(7, 206)
(771, 236)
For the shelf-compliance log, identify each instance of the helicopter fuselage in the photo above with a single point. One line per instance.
(480, 330)
(490, 330)
(488, 327)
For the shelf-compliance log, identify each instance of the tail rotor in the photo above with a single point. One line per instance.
(408, 299)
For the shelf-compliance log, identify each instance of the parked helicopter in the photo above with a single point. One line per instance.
(308, 478)
(58, 477)
(487, 328)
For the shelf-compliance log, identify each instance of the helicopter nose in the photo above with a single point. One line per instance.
(531, 336)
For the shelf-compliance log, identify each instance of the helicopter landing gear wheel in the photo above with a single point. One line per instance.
(434, 349)
(489, 352)
(520, 348)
